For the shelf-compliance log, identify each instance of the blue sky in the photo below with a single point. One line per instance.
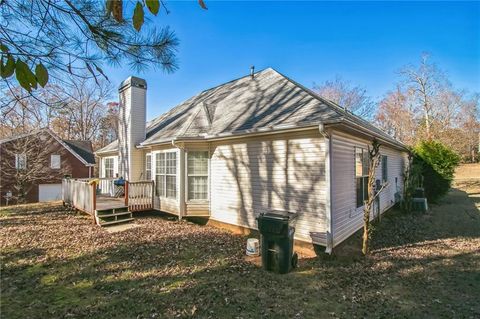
(364, 42)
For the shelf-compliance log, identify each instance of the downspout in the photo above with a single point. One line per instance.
(328, 182)
(181, 175)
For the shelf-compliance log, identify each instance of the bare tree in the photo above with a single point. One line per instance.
(84, 112)
(25, 162)
(426, 106)
(395, 116)
(373, 193)
(84, 109)
(425, 83)
(348, 96)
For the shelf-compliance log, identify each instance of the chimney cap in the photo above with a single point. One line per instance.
(132, 81)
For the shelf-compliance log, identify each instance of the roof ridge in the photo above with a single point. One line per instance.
(209, 89)
(338, 109)
(334, 106)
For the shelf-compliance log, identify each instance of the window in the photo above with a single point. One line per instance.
(20, 161)
(108, 167)
(54, 161)
(384, 168)
(197, 165)
(361, 175)
(166, 174)
(148, 167)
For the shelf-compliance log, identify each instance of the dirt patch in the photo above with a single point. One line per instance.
(468, 171)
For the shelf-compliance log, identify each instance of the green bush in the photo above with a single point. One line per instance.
(438, 164)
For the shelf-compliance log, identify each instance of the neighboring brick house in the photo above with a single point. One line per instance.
(32, 165)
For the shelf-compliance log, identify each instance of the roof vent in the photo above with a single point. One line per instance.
(252, 71)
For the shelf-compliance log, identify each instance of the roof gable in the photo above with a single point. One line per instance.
(79, 149)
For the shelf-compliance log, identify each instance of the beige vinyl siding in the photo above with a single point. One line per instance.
(346, 218)
(132, 132)
(283, 172)
(197, 208)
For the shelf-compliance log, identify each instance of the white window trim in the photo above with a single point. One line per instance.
(206, 200)
(154, 172)
(17, 161)
(52, 156)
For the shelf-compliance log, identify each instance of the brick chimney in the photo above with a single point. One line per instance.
(131, 127)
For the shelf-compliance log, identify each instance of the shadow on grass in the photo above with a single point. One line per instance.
(166, 268)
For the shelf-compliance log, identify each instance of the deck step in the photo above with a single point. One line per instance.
(102, 212)
(112, 216)
(116, 221)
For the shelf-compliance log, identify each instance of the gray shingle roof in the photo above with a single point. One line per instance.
(269, 100)
(83, 149)
(112, 147)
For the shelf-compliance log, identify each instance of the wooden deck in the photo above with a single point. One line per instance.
(93, 196)
(107, 202)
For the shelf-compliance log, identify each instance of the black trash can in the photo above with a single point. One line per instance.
(277, 231)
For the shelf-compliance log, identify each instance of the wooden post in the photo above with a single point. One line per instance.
(126, 193)
(94, 198)
(153, 195)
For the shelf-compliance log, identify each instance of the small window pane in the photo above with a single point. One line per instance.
(366, 163)
(384, 168)
(358, 162)
(359, 191)
(108, 167)
(160, 163)
(20, 161)
(148, 167)
(197, 187)
(171, 191)
(160, 185)
(198, 163)
(55, 161)
(171, 163)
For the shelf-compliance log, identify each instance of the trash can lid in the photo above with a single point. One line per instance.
(278, 215)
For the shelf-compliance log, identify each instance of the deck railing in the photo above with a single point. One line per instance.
(82, 193)
(105, 185)
(79, 194)
(139, 195)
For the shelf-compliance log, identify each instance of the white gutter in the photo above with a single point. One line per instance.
(328, 182)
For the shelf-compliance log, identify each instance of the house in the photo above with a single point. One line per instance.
(32, 166)
(260, 142)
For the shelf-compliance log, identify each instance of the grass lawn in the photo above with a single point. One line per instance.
(56, 264)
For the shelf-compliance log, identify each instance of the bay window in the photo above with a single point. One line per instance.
(361, 175)
(197, 172)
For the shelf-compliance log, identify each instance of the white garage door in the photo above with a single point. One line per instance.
(47, 192)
